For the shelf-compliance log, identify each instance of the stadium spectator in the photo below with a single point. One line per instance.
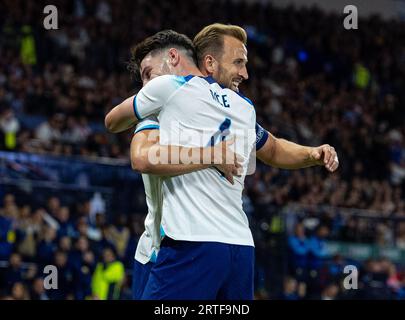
(330, 292)
(119, 235)
(290, 291)
(317, 254)
(298, 250)
(14, 273)
(64, 279)
(6, 236)
(9, 126)
(38, 291)
(335, 267)
(108, 277)
(50, 131)
(19, 291)
(375, 282)
(83, 276)
(65, 225)
(47, 246)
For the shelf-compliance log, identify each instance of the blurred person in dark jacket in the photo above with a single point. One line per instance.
(317, 254)
(65, 244)
(83, 276)
(374, 282)
(290, 289)
(64, 279)
(14, 273)
(348, 231)
(76, 255)
(47, 246)
(38, 291)
(7, 237)
(66, 227)
(317, 248)
(336, 267)
(298, 253)
(104, 242)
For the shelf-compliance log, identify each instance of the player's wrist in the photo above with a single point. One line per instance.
(310, 157)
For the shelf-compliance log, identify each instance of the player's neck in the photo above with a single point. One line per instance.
(188, 69)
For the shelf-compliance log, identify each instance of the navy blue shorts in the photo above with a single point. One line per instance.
(140, 277)
(186, 270)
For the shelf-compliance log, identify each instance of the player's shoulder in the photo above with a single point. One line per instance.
(210, 80)
(234, 94)
(176, 81)
(239, 97)
(198, 80)
(165, 80)
(163, 86)
(242, 96)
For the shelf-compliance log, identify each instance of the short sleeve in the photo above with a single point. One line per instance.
(152, 97)
(149, 123)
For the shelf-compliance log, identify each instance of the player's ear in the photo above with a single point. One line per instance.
(210, 64)
(174, 57)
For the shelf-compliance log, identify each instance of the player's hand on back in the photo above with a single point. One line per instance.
(325, 155)
(226, 160)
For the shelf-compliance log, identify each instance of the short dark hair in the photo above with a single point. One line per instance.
(159, 41)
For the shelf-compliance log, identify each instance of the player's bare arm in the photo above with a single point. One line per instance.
(121, 117)
(148, 156)
(285, 154)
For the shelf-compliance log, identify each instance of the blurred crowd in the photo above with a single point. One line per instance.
(378, 279)
(313, 273)
(311, 81)
(92, 255)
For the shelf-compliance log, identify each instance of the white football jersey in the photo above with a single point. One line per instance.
(149, 242)
(194, 112)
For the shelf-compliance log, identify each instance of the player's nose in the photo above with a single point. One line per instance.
(244, 73)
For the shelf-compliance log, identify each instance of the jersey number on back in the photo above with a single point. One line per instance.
(222, 132)
(220, 135)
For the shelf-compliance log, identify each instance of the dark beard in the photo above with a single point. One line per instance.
(221, 77)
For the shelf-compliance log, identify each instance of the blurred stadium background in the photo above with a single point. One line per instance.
(68, 194)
